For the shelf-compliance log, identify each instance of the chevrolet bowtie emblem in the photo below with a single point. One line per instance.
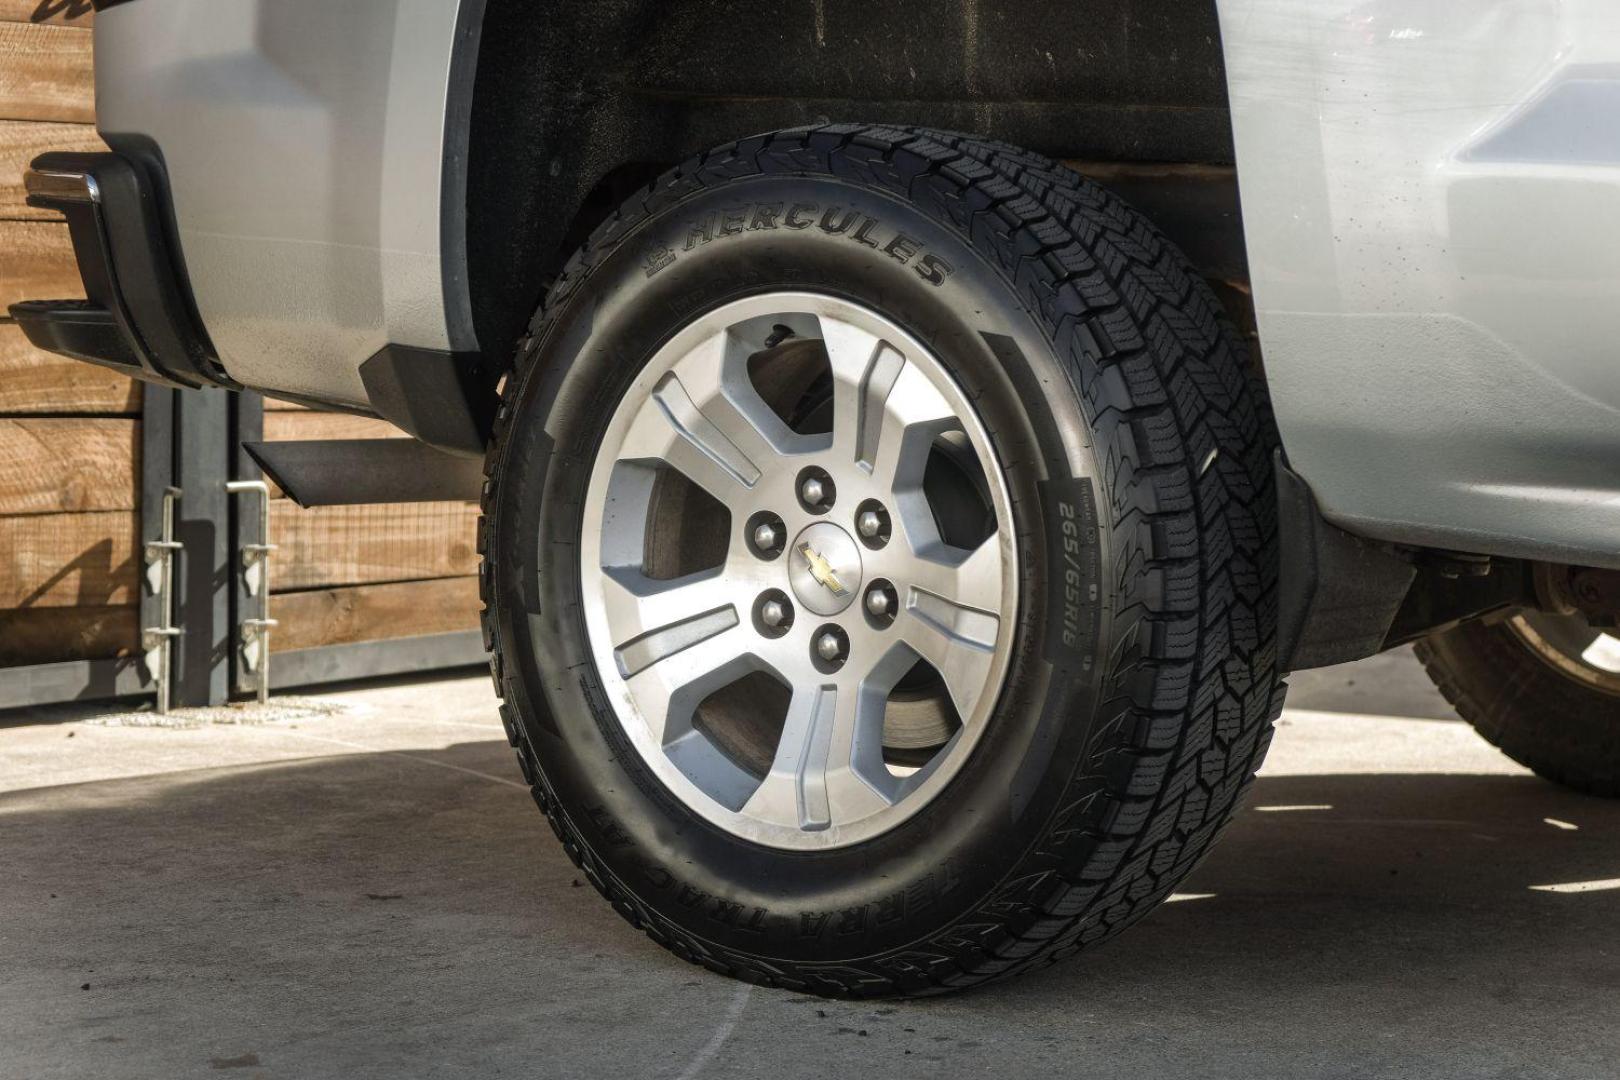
(822, 570)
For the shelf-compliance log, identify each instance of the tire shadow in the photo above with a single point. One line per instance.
(1389, 925)
(1406, 924)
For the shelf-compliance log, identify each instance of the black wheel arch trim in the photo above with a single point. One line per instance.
(458, 111)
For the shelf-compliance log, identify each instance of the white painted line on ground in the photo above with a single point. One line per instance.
(1291, 809)
(1579, 886)
(1177, 897)
(721, 1034)
(495, 728)
(1555, 823)
(407, 755)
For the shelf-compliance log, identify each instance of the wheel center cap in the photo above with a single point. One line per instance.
(824, 565)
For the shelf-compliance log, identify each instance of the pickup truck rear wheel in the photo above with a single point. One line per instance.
(1543, 688)
(880, 562)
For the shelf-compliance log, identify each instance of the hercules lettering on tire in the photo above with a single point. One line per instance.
(880, 561)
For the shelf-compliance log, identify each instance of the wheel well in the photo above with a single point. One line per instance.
(576, 106)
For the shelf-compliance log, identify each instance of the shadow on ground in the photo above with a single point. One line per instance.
(370, 915)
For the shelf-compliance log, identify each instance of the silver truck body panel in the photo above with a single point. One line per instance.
(1431, 201)
(304, 145)
(1431, 195)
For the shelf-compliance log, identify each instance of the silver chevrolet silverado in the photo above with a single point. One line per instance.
(916, 440)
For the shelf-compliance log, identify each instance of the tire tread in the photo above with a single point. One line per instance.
(1187, 483)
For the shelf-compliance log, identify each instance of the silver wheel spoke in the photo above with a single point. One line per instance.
(878, 397)
(831, 734)
(674, 431)
(916, 412)
(669, 639)
(707, 423)
(667, 691)
(715, 375)
(970, 579)
(863, 371)
(950, 614)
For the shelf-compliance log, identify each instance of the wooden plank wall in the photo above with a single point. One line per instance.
(69, 432)
(70, 437)
(365, 573)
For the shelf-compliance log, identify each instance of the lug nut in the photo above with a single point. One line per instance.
(872, 524)
(773, 613)
(828, 647)
(765, 532)
(881, 601)
(816, 489)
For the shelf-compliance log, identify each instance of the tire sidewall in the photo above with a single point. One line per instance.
(665, 863)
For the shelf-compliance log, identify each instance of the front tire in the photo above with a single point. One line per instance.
(1100, 392)
(1543, 688)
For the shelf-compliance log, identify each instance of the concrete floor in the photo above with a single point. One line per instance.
(357, 887)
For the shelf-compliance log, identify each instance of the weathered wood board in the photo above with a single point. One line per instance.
(35, 382)
(45, 72)
(51, 466)
(372, 612)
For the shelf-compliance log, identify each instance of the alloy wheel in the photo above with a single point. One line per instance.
(798, 571)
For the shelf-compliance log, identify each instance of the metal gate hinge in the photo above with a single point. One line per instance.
(255, 632)
(157, 642)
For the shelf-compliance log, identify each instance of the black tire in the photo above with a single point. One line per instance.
(1138, 451)
(1562, 728)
